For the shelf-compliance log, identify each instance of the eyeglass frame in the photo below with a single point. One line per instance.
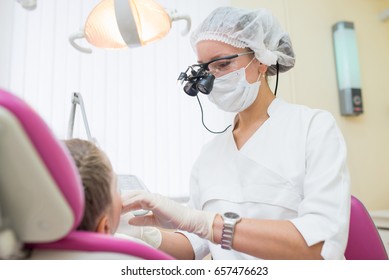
(206, 64)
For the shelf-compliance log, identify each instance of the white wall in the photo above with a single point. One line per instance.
(6, 27)
(313, 81)
(136, 111)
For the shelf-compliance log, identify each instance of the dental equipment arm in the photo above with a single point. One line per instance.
(77, 99)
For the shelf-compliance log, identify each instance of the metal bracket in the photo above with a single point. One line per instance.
(77, 99)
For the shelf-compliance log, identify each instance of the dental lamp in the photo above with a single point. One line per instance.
(115, 24)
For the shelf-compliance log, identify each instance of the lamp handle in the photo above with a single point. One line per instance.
(78, 35)
(175, 16)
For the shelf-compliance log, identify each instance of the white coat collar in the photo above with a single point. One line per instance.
(274, 105)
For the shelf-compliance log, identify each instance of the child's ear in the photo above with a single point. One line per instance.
(104, 225)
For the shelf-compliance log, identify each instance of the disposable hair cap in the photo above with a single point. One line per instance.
(258, 30)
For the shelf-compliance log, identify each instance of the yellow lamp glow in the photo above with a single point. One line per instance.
(116, 24)
(101, 29)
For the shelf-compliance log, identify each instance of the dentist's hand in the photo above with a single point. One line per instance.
(150, 235)
(168, 214)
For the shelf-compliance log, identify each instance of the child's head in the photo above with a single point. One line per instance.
(102, 198)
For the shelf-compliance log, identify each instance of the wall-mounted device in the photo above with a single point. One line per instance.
(347, 68)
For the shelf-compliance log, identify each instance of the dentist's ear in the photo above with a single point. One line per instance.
(262, 68)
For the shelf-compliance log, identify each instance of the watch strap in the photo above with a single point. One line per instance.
(227, 236)
(230, 220)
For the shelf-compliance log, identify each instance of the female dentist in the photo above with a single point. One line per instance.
(273, 186)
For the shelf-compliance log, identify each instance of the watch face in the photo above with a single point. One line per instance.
(231, 215)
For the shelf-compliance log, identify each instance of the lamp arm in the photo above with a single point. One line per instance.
(78, 35)
(71, 118)
(77, 99)
(174, 16)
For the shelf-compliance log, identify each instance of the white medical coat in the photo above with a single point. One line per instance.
(293, 167)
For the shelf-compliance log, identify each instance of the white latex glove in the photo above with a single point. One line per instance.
(168, 214)
(150, 235)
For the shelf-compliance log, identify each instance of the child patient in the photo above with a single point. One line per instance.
(103, 203)
(102, 197)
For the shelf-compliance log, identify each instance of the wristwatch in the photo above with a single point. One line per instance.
(230, 220)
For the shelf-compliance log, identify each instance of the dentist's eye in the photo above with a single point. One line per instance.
(221, 65)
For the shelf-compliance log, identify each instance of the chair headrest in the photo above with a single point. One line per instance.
(41, 195)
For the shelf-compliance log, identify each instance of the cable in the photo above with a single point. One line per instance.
(202, 119)
(275, 90)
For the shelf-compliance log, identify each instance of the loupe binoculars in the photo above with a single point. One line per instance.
(198, 79)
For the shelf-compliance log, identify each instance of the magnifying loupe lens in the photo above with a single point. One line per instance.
(205, 85)
(191, 89)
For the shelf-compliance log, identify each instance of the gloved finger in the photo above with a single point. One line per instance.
(124, 218)
(147, 220)
(142, 200)
(132, 201)
(125, 228)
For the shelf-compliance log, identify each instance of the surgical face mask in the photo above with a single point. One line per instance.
(232, 92)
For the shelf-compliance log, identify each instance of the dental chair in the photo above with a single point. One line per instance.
(41, 196)
(364, 241)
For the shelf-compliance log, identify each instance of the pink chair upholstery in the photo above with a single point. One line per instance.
(41, 194)
(364, 241)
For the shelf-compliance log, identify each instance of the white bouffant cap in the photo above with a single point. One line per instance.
(258, 30)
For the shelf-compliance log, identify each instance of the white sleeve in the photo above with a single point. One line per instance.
(200, 246)
(324, 213)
